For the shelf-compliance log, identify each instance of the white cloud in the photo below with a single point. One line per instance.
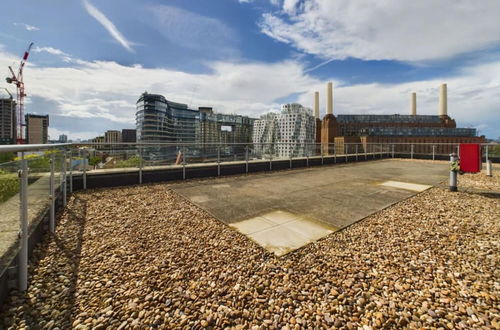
(27, 27)
(108, 25)
(107, 91)
(391, 29)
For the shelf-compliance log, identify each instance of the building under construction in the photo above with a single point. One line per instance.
(409, 129)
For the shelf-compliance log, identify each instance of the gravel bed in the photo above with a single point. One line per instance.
(144, 257)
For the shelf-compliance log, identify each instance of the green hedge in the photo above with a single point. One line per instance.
(9, 185)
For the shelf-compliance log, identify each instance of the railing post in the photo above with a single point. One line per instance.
(433, 152)
(52, 220)
(345, 152)
(411, 151)
(71, 171)
(356, 152)
(183, 151)
(64, 183)
(246, 158)
(307, 157)
(321, 152)
(487, 153)
(23, 253)
(334, 152)
(84, 169)
(392, 150)
(271, 161)
(140, 165)
(218, 160)
(290, 155)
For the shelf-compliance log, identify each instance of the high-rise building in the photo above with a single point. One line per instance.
(112, 136)
(222, 129)
(8, 123)
(160, 120)
(129, 135)
(290, 133)
(37, 129)
(63, 138)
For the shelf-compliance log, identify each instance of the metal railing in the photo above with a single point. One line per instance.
(44, 174)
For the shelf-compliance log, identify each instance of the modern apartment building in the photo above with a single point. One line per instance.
(160, 120)
(129, 135)
(37, 129)
(229, 133)
(8, 123)
(290, 133)
(112, 136)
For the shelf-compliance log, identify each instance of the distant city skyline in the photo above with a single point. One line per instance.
(92, 60)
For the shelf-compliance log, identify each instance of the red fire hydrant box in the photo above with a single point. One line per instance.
(470, 157)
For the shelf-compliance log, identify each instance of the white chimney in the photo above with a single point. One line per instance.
(443, 101)
(413, 104)
(316, 105)
(329, 100)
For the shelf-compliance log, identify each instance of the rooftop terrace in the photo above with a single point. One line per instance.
(146, 256)
(282, 242)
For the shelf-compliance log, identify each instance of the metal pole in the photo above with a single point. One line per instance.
(433, 152)
(412, 151)
(246, 158)
(453, 171)
(489, 168)
(52, 220)
(334, 153)
(356, 152)
(218, 160)
(321, 152)
(393, 151)
(271, 161)
(487, 153)
(64, 183)
(291, 156)
(84, 168)
(23, 253)
(307, 157)
(71, 171)
(345, 152)
(183, 163)
(140, 165)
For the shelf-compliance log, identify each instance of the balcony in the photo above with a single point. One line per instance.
(339, 236)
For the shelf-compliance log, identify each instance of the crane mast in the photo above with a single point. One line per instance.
(19, 82)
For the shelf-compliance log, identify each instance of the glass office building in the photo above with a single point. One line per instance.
(160, 120)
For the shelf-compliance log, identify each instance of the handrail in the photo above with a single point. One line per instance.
(31, 147)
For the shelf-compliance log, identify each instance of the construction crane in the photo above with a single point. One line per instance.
(18, 81)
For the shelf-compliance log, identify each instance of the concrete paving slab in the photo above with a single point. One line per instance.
(279, 240)
(253, 225)
(311, 229)
(406, 185)
(279, 217)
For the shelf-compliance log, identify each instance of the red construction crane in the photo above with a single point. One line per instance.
(18, 81)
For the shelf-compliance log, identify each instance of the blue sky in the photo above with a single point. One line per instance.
(92, 59)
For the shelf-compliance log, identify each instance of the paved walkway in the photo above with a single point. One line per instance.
(336, 196)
